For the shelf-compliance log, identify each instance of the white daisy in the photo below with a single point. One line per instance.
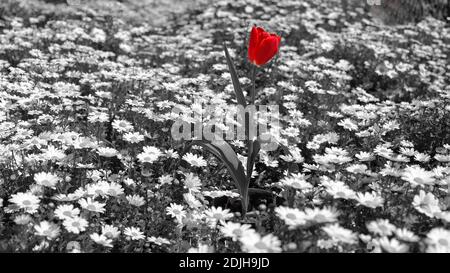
(421, 157)
(101, 239)
(426, 203)
(107, 152)
(406, 235)
(384, 151)
(134, 233)
(133, 137)
(22, 219)
(291, 216)
(122, 125)
(393, 245)
(365, 156)
(194, 160)
(192, 182)
(348, 124)
(176, 211)
(47, 229)
(149, 155)
(110, 231)
(66, 211)
(165, 179)
(158, 240)
(75, 225)
(371, 200)
(46, 179)
(417, 176)
(92, 205)
(114, 189)
(438, 240)
(252, 242)
(171, 153)
(296, 181)
(26, 201)
(381, 227)
(324, 215)
(338, 189)
(135, 200)
(215, 214)
(100, 188)
(339, 234)
(53, 154)
(234, 230)
(191, 200)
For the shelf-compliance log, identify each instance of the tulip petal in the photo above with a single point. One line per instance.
(267, 49)
(263, 35)
(256, 36)
(253, 43)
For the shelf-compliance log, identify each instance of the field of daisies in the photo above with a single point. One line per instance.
(88, 162)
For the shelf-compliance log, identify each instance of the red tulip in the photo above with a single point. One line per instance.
(262, 46)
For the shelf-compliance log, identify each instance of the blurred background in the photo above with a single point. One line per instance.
(402, 11)
(157, 11)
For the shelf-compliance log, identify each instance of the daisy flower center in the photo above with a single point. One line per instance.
(91, 207)
(320, 218)
(291, 216)
(383, 229)
(418, 180)
(340, 193)
(261, 245)
(443, 242)
(237, 232)
(217, 215)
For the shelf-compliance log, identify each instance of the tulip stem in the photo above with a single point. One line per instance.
(253, 94)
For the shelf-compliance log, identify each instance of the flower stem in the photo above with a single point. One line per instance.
(244, 196)
(253, 92)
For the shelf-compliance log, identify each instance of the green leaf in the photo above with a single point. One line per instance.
(237, 86)
(253, 150)
(224, 152)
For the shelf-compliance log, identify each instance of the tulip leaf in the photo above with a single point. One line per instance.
(224, 152)
(254, 147)
(237, 86)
